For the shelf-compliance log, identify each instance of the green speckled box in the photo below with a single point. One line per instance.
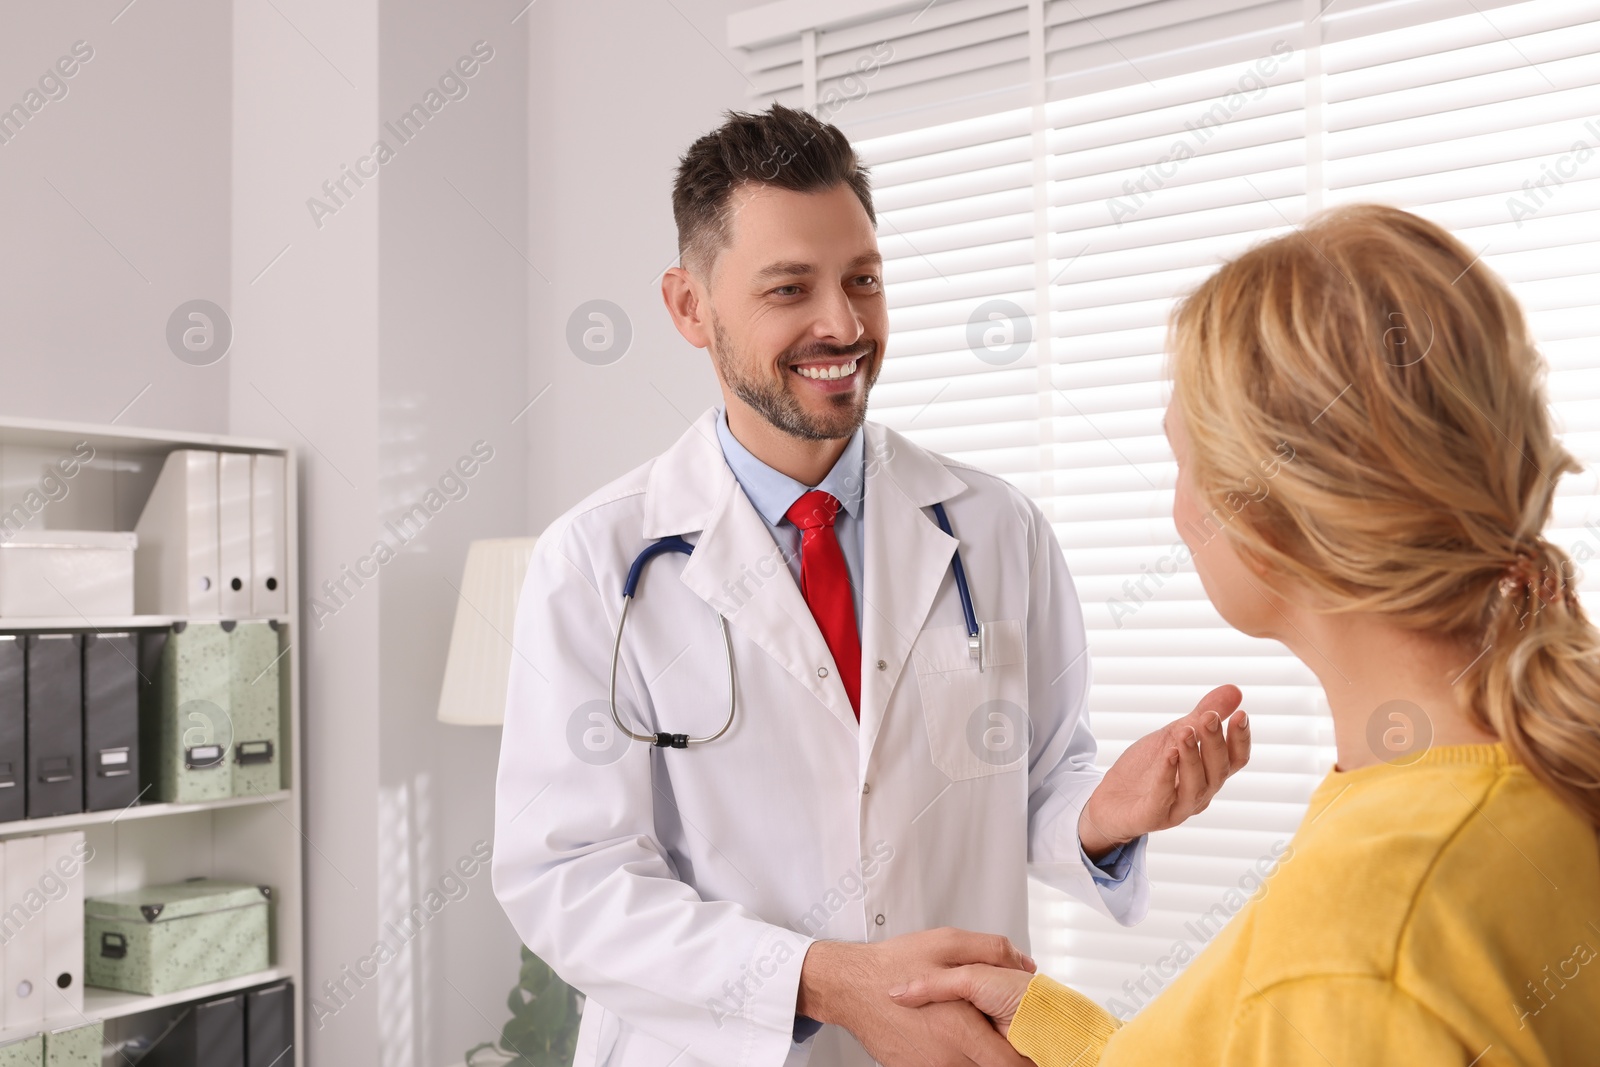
(253, 706)
(163, 938)
(25, 1052)
(78, 1046)
(186, 738)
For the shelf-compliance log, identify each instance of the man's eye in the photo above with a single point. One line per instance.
(786, 290)
(869, 280)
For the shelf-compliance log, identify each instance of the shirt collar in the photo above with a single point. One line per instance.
(773, 492)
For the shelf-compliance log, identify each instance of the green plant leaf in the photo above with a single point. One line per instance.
(543, 1028)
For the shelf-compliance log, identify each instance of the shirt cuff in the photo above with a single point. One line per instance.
(1112, 869)
(805, 1029)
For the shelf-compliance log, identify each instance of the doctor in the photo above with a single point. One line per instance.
(718, 904)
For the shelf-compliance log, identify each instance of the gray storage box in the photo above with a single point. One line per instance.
(163, 938)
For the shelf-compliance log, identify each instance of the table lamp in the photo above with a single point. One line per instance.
(474, 690)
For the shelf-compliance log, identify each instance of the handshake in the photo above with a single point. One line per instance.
(943, 997)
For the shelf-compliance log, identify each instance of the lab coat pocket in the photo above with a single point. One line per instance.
(598, 1031)
(977, 719)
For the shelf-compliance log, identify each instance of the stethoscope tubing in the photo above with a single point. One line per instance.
(630, 587)
(974, 634)
(677, 544)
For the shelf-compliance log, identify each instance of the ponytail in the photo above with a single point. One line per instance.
(1537, 684)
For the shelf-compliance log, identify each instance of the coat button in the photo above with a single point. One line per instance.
(882, 666)
(822, 672)
(879, 919)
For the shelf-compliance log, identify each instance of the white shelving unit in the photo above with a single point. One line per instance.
(54, 823)
(254, 839)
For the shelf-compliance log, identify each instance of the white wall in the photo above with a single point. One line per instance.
(386, 341)
(603, 155)
(116, 211)
(452, 333)
(417, 319)
(304, 369)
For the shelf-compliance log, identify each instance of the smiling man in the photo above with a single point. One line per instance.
(887, 780)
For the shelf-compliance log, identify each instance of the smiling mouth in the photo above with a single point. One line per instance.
(828, 373)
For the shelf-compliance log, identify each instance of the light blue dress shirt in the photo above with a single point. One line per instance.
(773, 493)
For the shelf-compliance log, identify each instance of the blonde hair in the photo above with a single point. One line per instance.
(1400, 371)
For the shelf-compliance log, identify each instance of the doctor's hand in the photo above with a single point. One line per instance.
(995, 991)
(1166, 776)
(847, 984)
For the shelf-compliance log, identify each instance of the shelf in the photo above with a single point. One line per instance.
(54, 823)
(102, 1004)
(109, 493)
(110, 1003)
(126, 440)
(103, 623)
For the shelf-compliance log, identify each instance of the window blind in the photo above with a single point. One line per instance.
(1489, 124)
(1036, 233)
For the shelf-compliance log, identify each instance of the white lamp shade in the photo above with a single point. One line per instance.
(474, 691)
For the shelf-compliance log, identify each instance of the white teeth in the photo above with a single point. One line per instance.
(829, 373)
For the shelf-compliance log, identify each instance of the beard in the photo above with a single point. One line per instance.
(776, 401)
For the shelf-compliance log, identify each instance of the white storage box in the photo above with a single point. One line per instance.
(67, 573)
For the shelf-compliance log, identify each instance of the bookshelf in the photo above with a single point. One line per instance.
(257, 838)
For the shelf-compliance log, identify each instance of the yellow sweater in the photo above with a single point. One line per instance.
(1445, 912)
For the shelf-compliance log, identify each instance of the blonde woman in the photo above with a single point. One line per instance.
(1441, 906)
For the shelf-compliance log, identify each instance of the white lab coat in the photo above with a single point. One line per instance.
(678, 889)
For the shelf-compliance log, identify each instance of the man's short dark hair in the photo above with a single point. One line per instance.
(780, 147)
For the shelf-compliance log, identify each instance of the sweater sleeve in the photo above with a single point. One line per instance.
(1056, 1027)
(1340, 1021)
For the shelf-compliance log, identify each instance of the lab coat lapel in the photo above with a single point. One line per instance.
(736, 567)
(906, 559)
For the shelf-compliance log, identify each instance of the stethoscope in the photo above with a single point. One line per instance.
(678, 544)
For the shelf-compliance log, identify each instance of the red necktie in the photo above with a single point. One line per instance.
(825, 583)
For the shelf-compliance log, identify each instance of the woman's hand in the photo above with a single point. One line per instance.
(995, 991)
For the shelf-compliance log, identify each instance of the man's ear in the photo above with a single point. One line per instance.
(686, 303)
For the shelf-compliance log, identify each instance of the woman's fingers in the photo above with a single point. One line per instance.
(995, 991)
(952, 983)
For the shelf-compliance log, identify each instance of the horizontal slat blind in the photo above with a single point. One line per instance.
(1091, 47)
(917, 66)
(1153, 181)
(1489, 124)
(956, 227)
(1034, 253)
